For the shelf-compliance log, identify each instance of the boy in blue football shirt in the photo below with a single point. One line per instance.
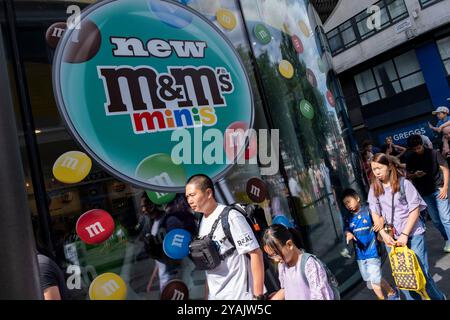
(359, 229)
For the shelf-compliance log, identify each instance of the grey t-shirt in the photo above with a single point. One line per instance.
(51, 275)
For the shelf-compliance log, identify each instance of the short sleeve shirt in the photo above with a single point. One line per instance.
(402, 207)
(293, 283)
(51, 275)
(232, 279)
(429, 162)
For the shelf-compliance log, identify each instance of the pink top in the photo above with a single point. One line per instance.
(295, 287)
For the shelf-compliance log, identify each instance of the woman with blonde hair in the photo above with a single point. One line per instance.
(395, 207)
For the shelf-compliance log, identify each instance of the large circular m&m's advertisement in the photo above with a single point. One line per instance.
(138, 81)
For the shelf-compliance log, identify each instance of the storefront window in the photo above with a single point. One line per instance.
(315, 156)
(291, 92)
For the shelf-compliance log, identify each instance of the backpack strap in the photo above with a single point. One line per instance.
(223, 218)
(226, 223)
(303, 261)
(402, 188)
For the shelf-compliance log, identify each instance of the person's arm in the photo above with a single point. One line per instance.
(442, 126)
(433, 127)
(52, 293)
(375, 213)
(412, 219)
(206, 290)
(349, 236)
(443, 191)
(279, 295)
(152, 278)
(400, 149)
(257, 268)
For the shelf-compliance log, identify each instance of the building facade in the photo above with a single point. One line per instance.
(392, 58)
(295, 90)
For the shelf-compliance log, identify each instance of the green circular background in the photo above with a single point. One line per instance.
(110, 140)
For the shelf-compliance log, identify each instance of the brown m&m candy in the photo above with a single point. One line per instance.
(256, 190)
(83, 44)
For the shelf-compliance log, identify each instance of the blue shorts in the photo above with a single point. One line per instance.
(370, 270)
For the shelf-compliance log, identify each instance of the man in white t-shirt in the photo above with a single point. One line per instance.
(240, 276)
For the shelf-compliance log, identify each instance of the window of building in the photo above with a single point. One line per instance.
(356, 29)
(316, 156)
(444, 50)
(427, 3)
(389, 78)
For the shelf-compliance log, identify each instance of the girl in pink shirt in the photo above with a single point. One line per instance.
(283, 245)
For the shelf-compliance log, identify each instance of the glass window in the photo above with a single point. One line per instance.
(348, 35)
(390, 79)
(335, 43)
(411, 81)
(127, 251)
(407, 63)
(385, 68)
(384, 17)
(444, 50)
(365, 81)
(427, 3)
(444, 47)
(316, 168)
(396, 8)
(369, 97)
(355, 29)
(363, 30)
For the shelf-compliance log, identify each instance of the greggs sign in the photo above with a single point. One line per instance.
(133, 72)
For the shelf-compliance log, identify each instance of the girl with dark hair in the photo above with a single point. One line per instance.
(284, 246)
(395, 201)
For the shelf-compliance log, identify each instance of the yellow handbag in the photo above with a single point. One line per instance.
(406, 270)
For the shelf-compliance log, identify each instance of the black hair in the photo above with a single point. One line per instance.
(350, 193)
(202, 181)
(276, 236)
(414, 141)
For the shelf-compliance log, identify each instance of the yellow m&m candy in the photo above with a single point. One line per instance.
(226, 19)
(72, 167)
(304, 28)
(286, 69)
(108, 286)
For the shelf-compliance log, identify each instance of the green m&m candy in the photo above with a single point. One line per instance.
(160, 197)
(307, 109)
(262, 33)
(159, 170)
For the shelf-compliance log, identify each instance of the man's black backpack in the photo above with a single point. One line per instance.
(256, 218)
(254, 215)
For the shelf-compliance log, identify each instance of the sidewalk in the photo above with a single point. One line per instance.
(438, 260)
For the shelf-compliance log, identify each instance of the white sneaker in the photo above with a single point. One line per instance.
(447, 246)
